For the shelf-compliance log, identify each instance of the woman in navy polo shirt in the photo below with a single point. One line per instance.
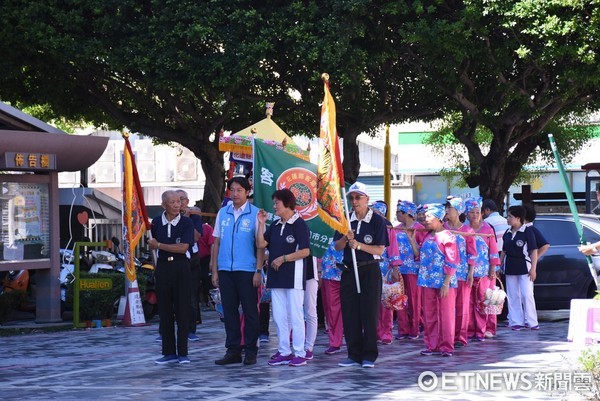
(360, 312)
(288, 241)
(519, 258)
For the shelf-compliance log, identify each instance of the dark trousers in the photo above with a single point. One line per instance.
(237, 288)
(320, 310)
(195, 315)
(173, 292)
(360, 312)
(205, 279)
(264, 316)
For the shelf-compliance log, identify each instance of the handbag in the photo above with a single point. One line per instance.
(265, 296)
(393, 295)
(493, 300)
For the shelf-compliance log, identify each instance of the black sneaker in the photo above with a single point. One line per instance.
(229, 359)
(250, 359)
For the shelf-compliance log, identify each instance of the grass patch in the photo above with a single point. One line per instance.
(590, 361)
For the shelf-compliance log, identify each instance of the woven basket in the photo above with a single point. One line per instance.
(493, 309)
(393, 294)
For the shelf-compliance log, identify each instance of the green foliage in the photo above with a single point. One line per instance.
(10, 300)
(590, 361)
(514, 70)
(45, 113)
(179, 71)
(570, 135)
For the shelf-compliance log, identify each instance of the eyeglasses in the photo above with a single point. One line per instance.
(352, 198)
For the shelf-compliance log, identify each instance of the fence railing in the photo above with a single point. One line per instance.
(99, 230)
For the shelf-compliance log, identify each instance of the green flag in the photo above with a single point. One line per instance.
(275, 169)
(571, 201)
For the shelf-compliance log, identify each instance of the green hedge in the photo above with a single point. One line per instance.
(10, 300)
(100, 304)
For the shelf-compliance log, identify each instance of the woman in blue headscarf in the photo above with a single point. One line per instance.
(388, 265)
(455, 209)
(409, 235)
(437, 279)
(484, 271)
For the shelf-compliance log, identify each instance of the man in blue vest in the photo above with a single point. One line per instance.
(236, 270)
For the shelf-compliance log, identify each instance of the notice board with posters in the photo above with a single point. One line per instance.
(24, 221)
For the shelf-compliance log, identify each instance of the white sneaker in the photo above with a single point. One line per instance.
(487, 334)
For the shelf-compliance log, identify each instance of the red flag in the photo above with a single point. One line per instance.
(135, 217)
(330, 174)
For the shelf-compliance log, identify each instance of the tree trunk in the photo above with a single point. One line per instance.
(211, 160)
(500, 168)
(490, 190)
(351, 161)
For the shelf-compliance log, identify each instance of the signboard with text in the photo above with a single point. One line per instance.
(28, 161)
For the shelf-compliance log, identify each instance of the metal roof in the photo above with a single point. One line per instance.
(20, 132)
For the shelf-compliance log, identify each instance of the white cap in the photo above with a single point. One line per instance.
(358, 187)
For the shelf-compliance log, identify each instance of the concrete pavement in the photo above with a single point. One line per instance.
(118, 363)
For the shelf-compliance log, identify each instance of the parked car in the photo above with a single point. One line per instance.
(563, 272)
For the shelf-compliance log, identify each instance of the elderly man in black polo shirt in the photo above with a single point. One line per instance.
(360, 312)
(173, 236)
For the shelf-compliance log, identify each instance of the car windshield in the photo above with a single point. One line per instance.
(563, 232)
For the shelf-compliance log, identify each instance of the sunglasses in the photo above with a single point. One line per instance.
(355, 197)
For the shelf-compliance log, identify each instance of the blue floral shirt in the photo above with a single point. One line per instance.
(389, 257)
(462, 270)
(406, 254)
(482, 262)
(439, 257)
(466, 249)
(487, 251)
(384, 262)
(329, 269)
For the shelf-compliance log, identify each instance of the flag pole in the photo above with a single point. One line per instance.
(571, 201)
(134, 223)
(352, 250)
(387, 171)
(331, 162)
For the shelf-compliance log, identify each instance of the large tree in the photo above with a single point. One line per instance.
(512, 71)
(181, 70)
(175, 71)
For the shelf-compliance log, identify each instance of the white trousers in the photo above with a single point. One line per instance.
(288, 314)
(310, 313)
(521, 304)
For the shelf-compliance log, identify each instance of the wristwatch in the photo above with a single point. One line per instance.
(258, 270)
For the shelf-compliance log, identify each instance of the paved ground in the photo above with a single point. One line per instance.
(118, 363)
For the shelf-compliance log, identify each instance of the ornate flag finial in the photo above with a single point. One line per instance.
(125, 134)
(325, 77)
